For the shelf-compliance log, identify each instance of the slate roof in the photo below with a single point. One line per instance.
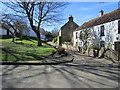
(111, 16)
(69, 23)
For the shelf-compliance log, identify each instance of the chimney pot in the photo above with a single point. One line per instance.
(101, 12)
(70, 18)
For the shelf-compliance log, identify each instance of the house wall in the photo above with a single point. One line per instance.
(67, 31)
(110, 33)
(76, 40)
(60, 33)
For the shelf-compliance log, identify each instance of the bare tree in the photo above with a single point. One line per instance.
(55, 33)
(38, 13)
(22, 27)
(13, 25)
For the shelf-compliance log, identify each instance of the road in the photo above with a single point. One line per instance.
(71, 75)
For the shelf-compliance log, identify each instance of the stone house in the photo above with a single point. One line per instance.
(66, 31)
(105, 30)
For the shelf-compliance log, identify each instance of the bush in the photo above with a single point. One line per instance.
(109, 46)
(67, 43)
(54, 40)
(61, 50)
(58, 41)
(94, 47)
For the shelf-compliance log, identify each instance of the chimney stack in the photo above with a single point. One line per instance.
(71, 18)
(101, 12)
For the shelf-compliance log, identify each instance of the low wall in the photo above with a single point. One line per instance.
(70, 47)
(112, 54)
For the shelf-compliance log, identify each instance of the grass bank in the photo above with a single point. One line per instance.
(27, 50)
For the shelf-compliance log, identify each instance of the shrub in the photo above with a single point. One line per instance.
(67, 43)
(94, 47)
(61, 50)
(109, 46)
(58, 41)
(54, 40)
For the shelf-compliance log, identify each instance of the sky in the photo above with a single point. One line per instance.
(84, 11)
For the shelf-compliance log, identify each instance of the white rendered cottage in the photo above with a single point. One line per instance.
(106, 28)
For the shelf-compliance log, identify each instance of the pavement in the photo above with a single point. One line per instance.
(83, 72)
(84, 60)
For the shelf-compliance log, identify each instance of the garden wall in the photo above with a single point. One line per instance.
(112, 54)
(109, 54)
(70, 47)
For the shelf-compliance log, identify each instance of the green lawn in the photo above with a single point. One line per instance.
(28, 51)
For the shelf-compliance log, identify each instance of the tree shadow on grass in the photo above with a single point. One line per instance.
(12, 53)
(7, 52)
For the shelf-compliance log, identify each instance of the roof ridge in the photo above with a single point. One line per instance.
(113, 15)
(105, 14)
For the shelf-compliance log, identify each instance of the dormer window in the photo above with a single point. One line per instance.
(102, 30)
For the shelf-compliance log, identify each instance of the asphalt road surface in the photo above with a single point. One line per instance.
(79, 74)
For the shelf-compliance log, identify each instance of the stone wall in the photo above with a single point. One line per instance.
(109, 54)
(89, 52)
(67, 30)
(112, 54)
(70, 47)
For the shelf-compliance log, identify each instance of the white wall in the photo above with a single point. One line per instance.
(110, 31)
(60, 33)
(74, 37)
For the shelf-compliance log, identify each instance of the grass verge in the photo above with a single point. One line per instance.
(26, 50)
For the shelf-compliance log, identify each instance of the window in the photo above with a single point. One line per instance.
(76, 35)
(117, 45)
(102, 31)
(102, 44)
(119, 27)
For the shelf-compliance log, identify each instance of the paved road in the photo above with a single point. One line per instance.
(71, 75)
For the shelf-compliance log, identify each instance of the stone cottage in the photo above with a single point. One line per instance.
(66, 31)
(105, 30)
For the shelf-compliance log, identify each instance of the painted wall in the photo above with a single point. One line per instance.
(110, 34)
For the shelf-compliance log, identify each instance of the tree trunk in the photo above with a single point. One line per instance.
(39, 39)
(38, 35)
(13, 38)
(7, 32)
(34, 29)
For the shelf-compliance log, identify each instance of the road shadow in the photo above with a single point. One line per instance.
(72, 75)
